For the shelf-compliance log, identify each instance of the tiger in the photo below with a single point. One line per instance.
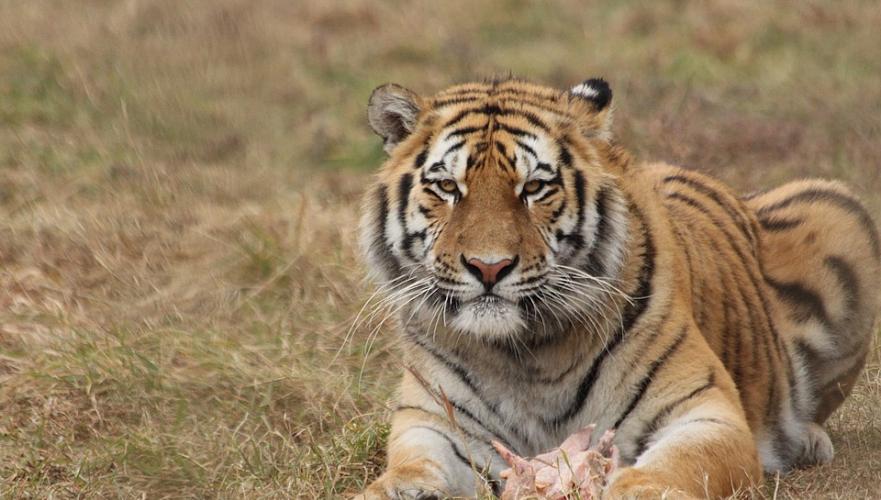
(544, 280)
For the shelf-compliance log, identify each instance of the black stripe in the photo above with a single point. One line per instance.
(420, 158)
(509, 161)
(519, 132)
(468, 88)
(550, 192)
(631, 315)
(457, 369)
(779, 224)
(696, 285)
(595, 267)
(736, 361)
(461, 456)
(565, 156)
(528, 149)
(655, 423)
(432, 193)
(459, 117)
(531, 117)
(736, 215)
(484, 471)
(459, 408)
(544, 166)
(530, 280)
(640, 301)
(649, 341)
(844, 202)
(849, 283)
(734, 335)
(404, 187)
(470, 434)
(463, 131)
(507, 88)
(646, 381)
(556, 379)
(466, 379)
(806, 303)
(519, 103)
(455, 147)
(703, 209)
(847, 279)
(728, 334)
(555, 215)
(575, 238)
(519, 91)
(491, 109)
(442, 103)
(380, 245)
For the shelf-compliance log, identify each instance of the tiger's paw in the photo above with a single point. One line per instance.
(414, 493)
(817, 447)
(633, 484)
(406, 483)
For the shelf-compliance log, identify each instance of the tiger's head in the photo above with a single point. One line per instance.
(497, 215)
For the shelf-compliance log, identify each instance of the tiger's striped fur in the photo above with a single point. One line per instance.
(713, 332)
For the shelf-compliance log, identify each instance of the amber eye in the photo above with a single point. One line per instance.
(533, 187)
(448, 186)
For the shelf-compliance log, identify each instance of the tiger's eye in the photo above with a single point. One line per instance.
(448, 186)
(532, 187)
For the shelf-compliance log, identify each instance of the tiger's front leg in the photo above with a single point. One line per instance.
(426, 459)
(430, 458)
(423, 463)
(707, 451)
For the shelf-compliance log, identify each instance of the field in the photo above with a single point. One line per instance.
(179, 183)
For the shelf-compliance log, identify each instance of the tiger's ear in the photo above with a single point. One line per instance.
(591, 102)
(392, 113)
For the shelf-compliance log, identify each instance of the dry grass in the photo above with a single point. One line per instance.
(178, 186)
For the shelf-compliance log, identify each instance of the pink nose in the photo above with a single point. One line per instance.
(489, 273)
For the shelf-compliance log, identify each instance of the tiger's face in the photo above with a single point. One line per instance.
(496, 215)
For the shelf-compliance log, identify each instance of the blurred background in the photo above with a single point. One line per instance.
(178, 198)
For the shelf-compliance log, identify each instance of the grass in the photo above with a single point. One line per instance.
(179, 186)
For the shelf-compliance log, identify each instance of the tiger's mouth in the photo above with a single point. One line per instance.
(489, 315)
(490, 304)
(489, 299)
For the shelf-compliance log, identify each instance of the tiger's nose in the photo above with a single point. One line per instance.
(489, 273)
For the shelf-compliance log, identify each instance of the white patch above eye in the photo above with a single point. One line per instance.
(459, 169)
(534, 163)
(440, 154)
(446, 160)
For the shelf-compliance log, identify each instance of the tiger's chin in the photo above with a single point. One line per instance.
(490, 318)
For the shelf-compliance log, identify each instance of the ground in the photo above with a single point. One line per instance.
(178, 195)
